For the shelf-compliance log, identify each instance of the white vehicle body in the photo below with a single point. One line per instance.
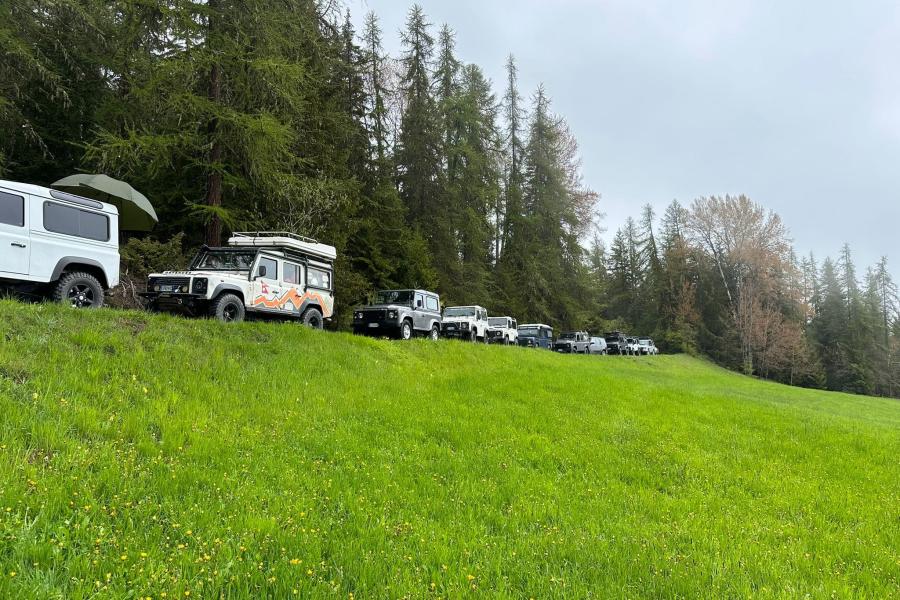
(503, 330)
(274, 274)
(47, 234)
(632, 347)
(598, 345)
(646, 346)
(465, 322)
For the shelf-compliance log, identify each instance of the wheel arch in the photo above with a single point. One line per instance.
(230, 288)
(77, 264)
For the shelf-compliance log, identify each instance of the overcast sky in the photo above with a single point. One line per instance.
(796, 104)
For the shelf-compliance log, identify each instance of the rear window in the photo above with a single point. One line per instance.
(68, 220)
(12, 209)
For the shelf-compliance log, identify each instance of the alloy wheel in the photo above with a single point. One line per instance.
(81, 296)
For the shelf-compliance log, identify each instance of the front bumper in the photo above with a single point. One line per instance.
(174, 301)
(495, 337)
(454, 330)
(564, 349)
(376, 328)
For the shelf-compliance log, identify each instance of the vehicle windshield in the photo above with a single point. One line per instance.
(644, 342)
(459, 312)
(612, 339)
(224, 260)
(394, 297)
(497, 322)
(528, 331)
(567, 336)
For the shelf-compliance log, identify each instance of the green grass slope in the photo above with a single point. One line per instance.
(145, 456)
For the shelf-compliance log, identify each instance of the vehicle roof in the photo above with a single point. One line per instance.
(44, 192)
(521, 325)
(502, 317)
(471, 306)
(410, 290)
(282, 241)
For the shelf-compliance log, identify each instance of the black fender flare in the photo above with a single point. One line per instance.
(66, 261)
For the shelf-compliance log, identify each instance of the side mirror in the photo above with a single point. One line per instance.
(418, 304)
(261, 271)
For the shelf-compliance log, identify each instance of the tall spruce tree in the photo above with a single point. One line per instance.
(419, 150)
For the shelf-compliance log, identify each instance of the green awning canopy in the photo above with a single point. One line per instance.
(135, 211)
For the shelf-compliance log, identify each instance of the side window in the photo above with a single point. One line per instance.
(431, 303)
(291, 273)
(12, 210)
(67, 220)
(514, 325)
(420, 301)
(271, 267)
(318, 278)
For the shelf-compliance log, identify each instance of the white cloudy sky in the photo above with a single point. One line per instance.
(796, 104)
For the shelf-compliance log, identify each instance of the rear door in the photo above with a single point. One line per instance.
(15, 242)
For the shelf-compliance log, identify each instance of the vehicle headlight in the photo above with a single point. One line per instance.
(392, 314)
(464, 325)
(200, 284)
(359, 316)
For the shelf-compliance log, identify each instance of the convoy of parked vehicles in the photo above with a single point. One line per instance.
(66, 247)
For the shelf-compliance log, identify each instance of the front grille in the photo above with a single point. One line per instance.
(171, 281)
(374, 315)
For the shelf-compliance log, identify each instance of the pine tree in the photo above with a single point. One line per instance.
(419, 151)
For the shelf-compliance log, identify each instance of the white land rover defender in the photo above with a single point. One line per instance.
(268, 274)
(503, 330)
(465, 323)
(57, 244)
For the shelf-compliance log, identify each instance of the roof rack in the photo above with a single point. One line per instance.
(282, 239)
(273, 234)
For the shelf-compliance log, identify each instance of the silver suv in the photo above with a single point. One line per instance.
(401, 314)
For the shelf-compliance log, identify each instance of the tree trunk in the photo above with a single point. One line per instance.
(214, 178)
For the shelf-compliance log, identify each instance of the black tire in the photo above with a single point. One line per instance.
(228, 308)
(435, 333)
(506, 341)
(313, 318)
(406, 330)
(79, 290)
(473, 336)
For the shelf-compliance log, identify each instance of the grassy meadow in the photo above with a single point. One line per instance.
(147, 456)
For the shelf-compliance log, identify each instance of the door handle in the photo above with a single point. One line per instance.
(17, 245)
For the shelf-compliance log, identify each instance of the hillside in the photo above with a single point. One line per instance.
(150, 456)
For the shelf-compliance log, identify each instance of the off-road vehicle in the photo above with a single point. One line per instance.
(260, 273)
(647, 347)
(56, 244)
(401, 314)
(598, 345)
(573, 342)
(503, 330)
(631, 347)
(536, 335)
(465, 323)
(616, 342)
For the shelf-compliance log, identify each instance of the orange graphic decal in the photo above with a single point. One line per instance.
(293, 297)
